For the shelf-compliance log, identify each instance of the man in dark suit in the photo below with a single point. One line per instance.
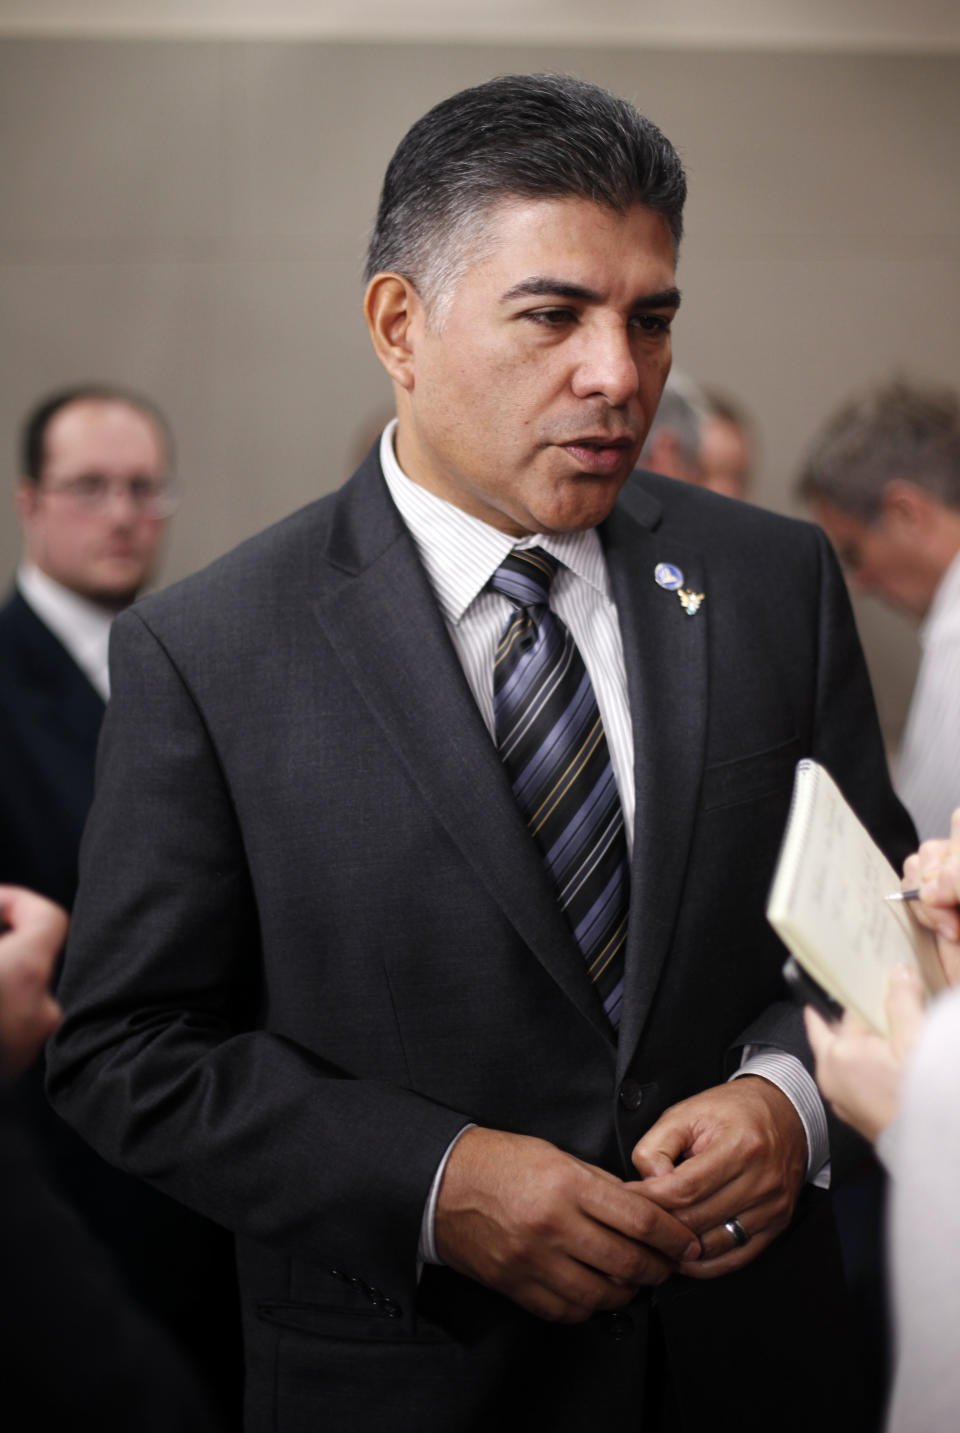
(439, 822)
(94, 500)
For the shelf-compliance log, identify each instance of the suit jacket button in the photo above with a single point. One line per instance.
(618, 1326)
(631, 1094)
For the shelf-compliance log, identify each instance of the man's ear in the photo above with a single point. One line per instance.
(391, 307)
(908, 507)
(25, 498)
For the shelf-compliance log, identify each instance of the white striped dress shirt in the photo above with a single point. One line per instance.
(460, 554)
(928, 772)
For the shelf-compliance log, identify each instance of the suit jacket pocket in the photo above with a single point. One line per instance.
(371, 1325)
(749, 778)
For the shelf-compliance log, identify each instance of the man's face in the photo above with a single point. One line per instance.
(104, 551)
(882, 557)
(724, 457)
(528, 406)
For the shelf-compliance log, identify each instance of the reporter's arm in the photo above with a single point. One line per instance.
(32, 930)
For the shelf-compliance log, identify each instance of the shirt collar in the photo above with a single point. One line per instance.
(81, 626)
(943, 618)
(461, 552)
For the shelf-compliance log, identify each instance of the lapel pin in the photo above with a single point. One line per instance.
(690, 601)
(670, 577)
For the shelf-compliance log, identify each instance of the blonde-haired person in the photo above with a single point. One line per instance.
(904, 1094)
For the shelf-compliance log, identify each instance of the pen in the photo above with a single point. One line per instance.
(912, 895)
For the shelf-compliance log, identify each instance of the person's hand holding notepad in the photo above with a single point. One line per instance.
(828, 903)
(859, 1071)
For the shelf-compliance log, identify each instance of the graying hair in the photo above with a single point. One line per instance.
(519, 137)
(897, 430)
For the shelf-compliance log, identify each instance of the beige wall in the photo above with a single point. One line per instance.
(189, 217)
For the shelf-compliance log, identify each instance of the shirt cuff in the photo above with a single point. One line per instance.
(788, 1074)
(427, 1251)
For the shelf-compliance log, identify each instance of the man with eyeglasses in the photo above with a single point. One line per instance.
(94, 500)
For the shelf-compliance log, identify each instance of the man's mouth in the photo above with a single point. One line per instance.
(601, 455)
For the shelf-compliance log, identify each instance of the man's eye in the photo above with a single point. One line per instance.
(552, 317)
(89, 485)
(654, 324)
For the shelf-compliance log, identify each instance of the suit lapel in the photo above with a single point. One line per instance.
(61, 696)
(666, 660)
(408, 674)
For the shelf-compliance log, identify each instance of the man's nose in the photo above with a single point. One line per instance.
(607, 367)
(120, 504)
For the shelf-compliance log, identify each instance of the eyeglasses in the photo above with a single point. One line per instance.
(152, 497)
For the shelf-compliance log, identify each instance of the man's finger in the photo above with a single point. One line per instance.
(730, 1259)
(638, 1224)
(662, 1146)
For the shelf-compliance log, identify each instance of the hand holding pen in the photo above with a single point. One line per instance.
(931, 883)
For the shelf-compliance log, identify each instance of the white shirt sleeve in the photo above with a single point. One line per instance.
(788, 1074)
(427, 1252)
(928, 770)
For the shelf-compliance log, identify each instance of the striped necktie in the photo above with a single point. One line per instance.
(552, 743)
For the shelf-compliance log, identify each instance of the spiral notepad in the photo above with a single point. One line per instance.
(827, 902)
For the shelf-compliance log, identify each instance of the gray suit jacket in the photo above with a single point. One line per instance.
(313, 937)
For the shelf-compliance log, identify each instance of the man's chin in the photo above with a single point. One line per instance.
(581, 504)
(115, 590)
(112, 599)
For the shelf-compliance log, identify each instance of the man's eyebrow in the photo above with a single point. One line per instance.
(666, 298)
(543, 286)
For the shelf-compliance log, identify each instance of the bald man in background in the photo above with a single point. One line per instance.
(700, 437)
(727, 447)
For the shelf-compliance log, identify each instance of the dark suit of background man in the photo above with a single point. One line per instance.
(94, 499)
(328, 944)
